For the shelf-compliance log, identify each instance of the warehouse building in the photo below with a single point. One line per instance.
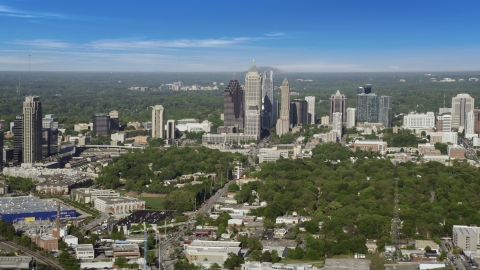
(30, 208)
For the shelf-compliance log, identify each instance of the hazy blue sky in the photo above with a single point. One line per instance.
(224, 35)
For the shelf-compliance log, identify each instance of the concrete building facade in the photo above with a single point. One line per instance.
(283, 123)
(253, 102)
(461, 104)
(32, 129)
(158, 129)
(351, 117)
(311, 109)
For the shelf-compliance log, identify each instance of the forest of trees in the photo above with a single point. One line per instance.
(358, 197)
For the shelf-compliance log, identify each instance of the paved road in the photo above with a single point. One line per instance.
(100, 219)
(168, 245)
(35, 255)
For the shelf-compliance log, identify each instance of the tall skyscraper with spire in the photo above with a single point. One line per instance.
(338, 103)
(253, 102)
(233, 113)
(32, 129)
(283, 123)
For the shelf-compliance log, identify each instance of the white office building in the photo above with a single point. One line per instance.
(325, 120)
(444, 123)
(337, 124)
(311, 109)
(469, 132)
(326, 137)
(419, 121)
(271, 154)
(205, 126)
(85, 252)
(351, 117)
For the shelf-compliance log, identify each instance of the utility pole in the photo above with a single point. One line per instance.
(396, 222)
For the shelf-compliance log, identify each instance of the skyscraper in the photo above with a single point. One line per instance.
(18, 139)
(337, 124)
(269, 104)
(233, 113)
(50, 122)
(461, 104)
(385, 110)
(101, 124)
(469, 130)
(170, 128)
(283, 123)
(311, 109)
(367, 88)
(351, 117)
(253, 102)
(298, 112)
(114, 121)
(367, 108)
(32, 129)
(338, 103)
(158, 129)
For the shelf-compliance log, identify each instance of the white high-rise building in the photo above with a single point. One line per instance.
(461, 104)
(444, 123)
(419, 121)
(158, 129)
(469, 131)
(283, 123)
(351, 117)
(32, 129)
(311, 109)
(325, 120)
(253, 101)
(337, 124)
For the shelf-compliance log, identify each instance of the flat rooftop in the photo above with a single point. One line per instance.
(85, 247)
(27, 204)
(200, 243)
(125, 199)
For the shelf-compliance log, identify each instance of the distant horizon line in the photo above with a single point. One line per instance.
(231, 72)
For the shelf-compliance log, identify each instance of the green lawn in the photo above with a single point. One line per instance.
(153, 203)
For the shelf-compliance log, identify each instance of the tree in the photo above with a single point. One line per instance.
(233, 261)
(275, 257)
(267, 256)
(428, 248)
(254, 244)
(215, 266)
(121, 262)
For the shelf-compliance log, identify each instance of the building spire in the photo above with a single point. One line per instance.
(234, 78)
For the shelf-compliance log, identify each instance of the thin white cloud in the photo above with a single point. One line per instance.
(117, 44)
(10, 12)
(275, 34)
(43, 43)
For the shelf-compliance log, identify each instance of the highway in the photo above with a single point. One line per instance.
(39, 258)
(166, 246)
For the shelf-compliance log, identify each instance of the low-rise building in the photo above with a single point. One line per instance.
(3, 188)
(129, 251)
(118, 205)
(466, 237)
(370, 145)
(213, 251)
(326, 137)
(47, 242)
(274, 266)
(85, 252)
(88, 195)
(70, 240)
(347, 264)
(16, 262)
(62, 187)
(271, 154)
(287, 220)
(118, 137)
(227, 138)
(456, 151)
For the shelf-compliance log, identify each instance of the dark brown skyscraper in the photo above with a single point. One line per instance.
(233, 104)
(338, 104)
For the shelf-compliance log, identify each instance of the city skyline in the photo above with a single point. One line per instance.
(323, 37)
